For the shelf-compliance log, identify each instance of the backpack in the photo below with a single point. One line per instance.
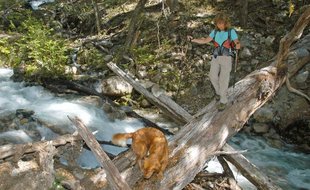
(226, 48)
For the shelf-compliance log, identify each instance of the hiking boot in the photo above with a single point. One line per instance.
(221, 106)
(217, 97)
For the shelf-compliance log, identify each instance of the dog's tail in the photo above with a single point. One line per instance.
(121, 138)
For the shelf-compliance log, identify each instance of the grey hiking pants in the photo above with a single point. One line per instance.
(219, 75)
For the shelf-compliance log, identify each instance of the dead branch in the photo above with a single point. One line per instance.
(292, 36)
(113, 175)
(291, 89)
(226, 167)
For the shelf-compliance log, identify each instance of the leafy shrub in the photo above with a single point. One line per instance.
(37, 51)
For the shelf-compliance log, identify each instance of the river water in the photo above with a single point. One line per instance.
(289, 169)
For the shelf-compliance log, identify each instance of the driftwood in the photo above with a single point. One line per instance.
(226, 167)
(200, 138)
(113, 176)
(77, 87)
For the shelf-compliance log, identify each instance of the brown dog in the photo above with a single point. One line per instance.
(147, 141)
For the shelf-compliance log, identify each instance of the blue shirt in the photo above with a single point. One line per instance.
(222, 36)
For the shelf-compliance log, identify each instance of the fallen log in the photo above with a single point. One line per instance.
(240, 162)
(172, 110)
(164, 101)
(115, 180)
(197, 127)
(199, 139)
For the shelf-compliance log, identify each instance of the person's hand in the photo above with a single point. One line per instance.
(237, 43)
(238, 46)
(190, 38)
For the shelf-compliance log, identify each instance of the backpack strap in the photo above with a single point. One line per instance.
(232, 43)
(215, 31)
(214, 42)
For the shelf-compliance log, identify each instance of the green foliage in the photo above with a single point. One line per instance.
(37, 51)
(158, 63)
(144, 55)
(13, 14)
(57, 185)
(113, 3)
(92, 57)
(3, 48)
(4, 52)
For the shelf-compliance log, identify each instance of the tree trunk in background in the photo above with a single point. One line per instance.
(136, 20)
(244, 13)
(242, 10)
(97, 15)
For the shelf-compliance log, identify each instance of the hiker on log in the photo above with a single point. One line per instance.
(225, 40)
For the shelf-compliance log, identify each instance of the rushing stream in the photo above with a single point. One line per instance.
(289, 169)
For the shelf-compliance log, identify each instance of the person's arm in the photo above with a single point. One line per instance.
(234, 37)
(200, 40)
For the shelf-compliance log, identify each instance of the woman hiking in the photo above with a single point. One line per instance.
(224, 39)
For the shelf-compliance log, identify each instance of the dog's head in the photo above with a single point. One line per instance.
(149, 167)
